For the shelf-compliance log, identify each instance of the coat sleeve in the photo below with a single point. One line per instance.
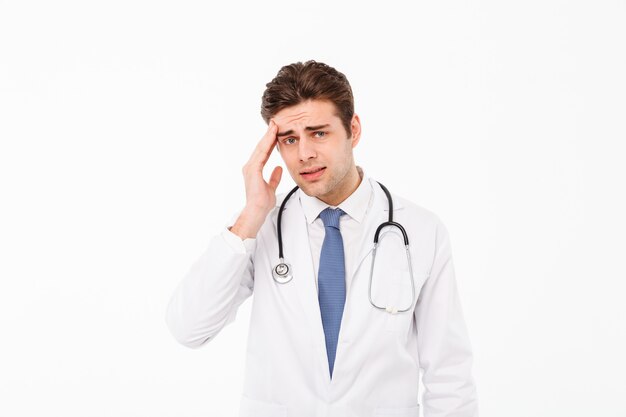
(444, 350)
(208, 296)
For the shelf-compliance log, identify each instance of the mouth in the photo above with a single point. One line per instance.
(313, 173)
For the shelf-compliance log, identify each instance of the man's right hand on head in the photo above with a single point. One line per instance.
(260, 195)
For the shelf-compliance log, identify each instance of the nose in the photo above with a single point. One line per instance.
(305, 149)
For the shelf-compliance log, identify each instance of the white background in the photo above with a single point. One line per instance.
(124, 126)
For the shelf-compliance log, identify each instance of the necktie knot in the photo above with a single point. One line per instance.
(330, 217)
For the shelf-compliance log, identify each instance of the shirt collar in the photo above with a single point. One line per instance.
(354, 206)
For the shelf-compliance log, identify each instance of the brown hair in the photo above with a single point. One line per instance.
(312, 80)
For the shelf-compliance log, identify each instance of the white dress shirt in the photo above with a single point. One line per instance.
(355, 206)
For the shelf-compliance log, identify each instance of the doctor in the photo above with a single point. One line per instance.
(318, 345)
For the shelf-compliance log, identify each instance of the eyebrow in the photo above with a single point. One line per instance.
(290, 131)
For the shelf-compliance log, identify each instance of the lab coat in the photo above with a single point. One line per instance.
(379, 355)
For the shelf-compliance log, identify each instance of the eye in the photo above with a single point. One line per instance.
(286, 141)
(322, 134)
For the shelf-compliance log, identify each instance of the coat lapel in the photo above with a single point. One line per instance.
(297, 252)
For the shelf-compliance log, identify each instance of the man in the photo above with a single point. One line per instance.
(337, 328)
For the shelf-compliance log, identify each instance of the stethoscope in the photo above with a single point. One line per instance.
(283, 272)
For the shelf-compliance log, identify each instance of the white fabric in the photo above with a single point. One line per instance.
(379, 355)
(351, 226)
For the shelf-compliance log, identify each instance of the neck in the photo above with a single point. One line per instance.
(348, 185)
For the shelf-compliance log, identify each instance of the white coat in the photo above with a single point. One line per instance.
(379, 355)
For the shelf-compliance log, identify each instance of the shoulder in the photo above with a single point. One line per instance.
(427, 220)
(405, 207)
(415, 209)
(417, 216)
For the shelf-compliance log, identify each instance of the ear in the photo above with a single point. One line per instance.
(355, 124)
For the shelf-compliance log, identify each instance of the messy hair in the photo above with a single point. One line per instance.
(311, 80)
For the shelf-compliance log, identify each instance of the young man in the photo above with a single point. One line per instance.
(338, 327)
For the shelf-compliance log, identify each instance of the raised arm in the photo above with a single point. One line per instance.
(208, 297)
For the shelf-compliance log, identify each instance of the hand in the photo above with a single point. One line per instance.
(260, 195)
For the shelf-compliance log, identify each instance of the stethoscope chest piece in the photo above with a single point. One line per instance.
(282, 273)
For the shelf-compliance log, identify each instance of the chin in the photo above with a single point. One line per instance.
(306, 189)
(312, 190)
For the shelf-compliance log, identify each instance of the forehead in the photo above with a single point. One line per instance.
(309, 111)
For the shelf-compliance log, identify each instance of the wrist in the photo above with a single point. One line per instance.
(248, 223)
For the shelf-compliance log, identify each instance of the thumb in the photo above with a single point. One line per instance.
(275, 177)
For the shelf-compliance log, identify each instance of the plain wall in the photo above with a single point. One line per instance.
(124, 126)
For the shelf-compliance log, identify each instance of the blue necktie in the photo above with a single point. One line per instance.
(331, 281)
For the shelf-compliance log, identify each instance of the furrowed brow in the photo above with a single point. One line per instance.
(309, 128)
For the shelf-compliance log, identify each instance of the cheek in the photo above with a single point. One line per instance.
(333, 159)
(291, 163)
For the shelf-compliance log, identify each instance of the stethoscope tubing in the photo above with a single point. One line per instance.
(283, 272)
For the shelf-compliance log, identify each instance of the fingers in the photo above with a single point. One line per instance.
(275, 177)
(265, 146)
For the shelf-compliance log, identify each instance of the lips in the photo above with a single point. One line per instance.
(313, 174)
(312, 170)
